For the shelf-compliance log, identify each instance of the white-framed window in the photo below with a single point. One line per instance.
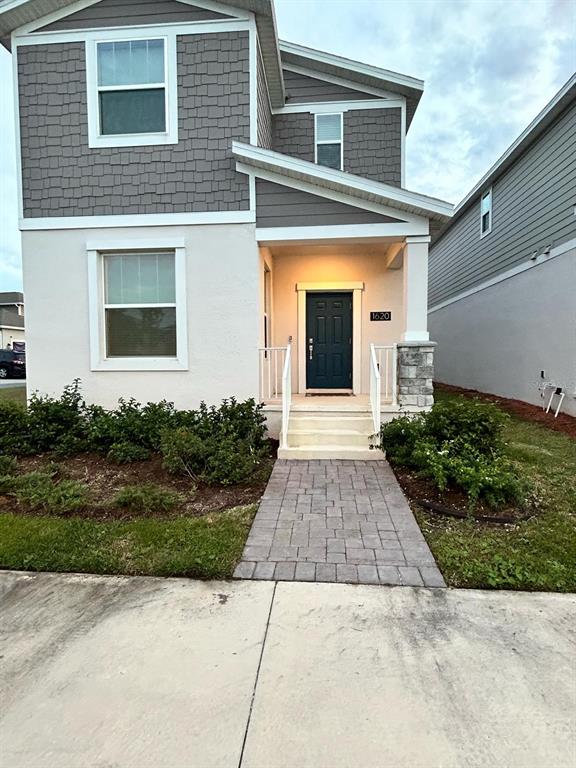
(132, 91)
(137, 302)
(486, 213)
(328, 140)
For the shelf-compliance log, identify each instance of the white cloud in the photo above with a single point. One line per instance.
(489, 67)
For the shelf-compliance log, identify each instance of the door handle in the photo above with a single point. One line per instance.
(310, 347)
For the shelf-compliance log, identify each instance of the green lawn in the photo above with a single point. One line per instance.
(538, 554)
(17, 393)
(206, 547)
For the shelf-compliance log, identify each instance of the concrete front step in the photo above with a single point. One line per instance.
(327, 423)
(355, 453)
(344, 437)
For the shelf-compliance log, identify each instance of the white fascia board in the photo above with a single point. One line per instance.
(364, 232)
(62, 13)
(253, 81)
(138, 220)
(12, 328)
(137, 30)
(353, 66)
(317, 107)
(526, 265)
(387, 193)
(331, 194)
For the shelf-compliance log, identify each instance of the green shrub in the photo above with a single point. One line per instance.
(147, 497)
(222, 445)
(131, 423)
(38, 490)
(14, 428)
(7, 483)
(58, 424)
(457, 444)
(123, 453)
(8, 465)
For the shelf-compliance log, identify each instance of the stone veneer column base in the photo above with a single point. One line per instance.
(415, 374)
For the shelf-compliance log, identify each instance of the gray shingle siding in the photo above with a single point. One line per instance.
(532, 208)
(264, 112)
(372, 144)
(294, 135)
(121, 13)
(301, 89)
(62, 176)
(280, 206)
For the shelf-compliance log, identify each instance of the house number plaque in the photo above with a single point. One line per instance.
(383, 315)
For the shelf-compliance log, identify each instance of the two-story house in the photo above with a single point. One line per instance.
(503, 270)
(207, 211)
(11, 322)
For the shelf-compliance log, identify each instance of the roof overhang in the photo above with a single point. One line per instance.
(16, 13)
(357, 72)
(258, 158)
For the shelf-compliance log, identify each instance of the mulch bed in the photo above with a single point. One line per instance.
(104, 479)
(564, 423)
(451, 502)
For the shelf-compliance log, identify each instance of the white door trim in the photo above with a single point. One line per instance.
(356, 289)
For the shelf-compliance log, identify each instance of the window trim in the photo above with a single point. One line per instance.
(97, 308)
(317, 142)
(170, 135)
(482, 196)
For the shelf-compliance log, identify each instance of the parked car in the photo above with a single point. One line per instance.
(12, 364)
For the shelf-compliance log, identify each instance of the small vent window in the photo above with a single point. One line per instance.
(486, 213)
(329, 140)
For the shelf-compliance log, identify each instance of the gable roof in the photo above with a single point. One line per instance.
(355, 71)
(16, 13)
(339, 181)
(565, 96)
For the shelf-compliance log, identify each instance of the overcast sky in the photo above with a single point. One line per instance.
(489, 67)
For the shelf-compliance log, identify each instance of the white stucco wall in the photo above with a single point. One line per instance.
(383, 290)
(499, 339)
(223, 320)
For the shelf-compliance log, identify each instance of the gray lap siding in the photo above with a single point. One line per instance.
(62, 176)
(532, 208)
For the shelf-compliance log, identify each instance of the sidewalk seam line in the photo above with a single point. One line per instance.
(257, 677)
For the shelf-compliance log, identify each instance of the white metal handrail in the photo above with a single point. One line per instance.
(286, 396)
(375, 389)
(272, 361)
(386, 360)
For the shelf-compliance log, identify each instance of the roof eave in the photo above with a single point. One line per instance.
(347, 183)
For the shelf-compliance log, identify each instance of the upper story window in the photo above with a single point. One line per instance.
(131, 92)
(329, 140)
(486, 213)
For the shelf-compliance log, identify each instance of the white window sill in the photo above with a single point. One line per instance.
(485, 234)
(140, 364)
(132, 140)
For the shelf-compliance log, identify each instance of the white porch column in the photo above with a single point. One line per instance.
(416, 289)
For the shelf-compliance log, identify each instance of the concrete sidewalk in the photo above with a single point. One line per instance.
(152, 673)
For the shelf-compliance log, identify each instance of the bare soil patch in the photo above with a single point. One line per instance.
(564, 423)
(104, 479)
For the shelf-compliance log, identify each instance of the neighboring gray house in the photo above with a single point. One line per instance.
(502, 283)
(207, 211)
(11, 319)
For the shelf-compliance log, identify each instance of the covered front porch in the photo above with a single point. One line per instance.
(337, 320)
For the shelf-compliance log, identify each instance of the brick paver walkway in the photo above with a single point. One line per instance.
(336, 520)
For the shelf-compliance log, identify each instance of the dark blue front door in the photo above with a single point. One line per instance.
(329, 341)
